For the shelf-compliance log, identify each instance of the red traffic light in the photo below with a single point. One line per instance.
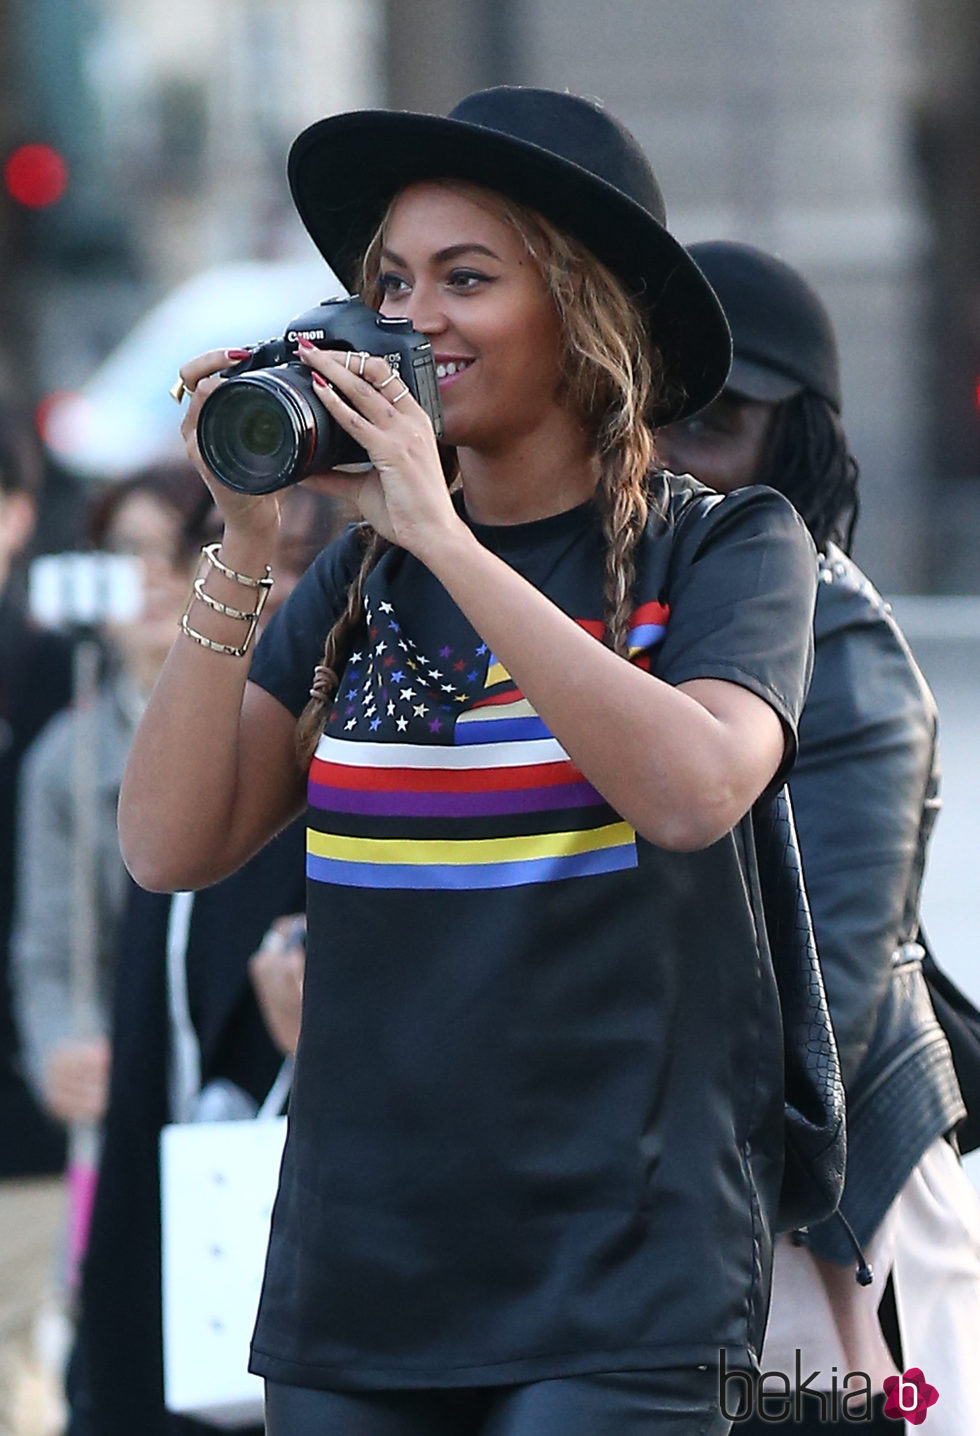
(35, 176)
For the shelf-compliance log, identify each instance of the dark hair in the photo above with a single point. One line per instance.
(176, 484)
(806, 456)
(20, 458)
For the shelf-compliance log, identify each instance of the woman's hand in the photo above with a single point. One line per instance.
(76, 1080)
(250, 515)
(276, 971)
(404, 497)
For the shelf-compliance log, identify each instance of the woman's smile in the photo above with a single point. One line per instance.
(465, 278)
(449, 368)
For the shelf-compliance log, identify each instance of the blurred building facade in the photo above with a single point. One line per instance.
(844, 136)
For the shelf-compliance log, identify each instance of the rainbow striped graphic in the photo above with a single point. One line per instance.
(519, 811)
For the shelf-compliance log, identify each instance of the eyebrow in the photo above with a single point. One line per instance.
(452, 251)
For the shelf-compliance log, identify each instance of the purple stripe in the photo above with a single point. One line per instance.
(390, 803)
(469, 876)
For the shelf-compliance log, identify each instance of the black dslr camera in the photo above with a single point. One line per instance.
(263, 429)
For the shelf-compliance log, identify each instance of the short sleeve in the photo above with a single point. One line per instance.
(741, 592)
(292, 644)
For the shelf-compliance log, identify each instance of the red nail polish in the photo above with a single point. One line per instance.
(319, 380)
(304, 343)
(239, 353)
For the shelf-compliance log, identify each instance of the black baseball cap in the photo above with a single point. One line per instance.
(782, 337)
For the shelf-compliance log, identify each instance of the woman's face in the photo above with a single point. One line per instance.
(149, 530)
(722, 446)
(465, 279)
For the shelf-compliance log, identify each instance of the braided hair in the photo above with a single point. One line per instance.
(612, 377)
(806, 457)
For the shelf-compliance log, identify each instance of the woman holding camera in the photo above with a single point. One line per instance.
(536, 1126)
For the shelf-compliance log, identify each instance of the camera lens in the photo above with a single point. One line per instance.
(262, 431)
(254, 432)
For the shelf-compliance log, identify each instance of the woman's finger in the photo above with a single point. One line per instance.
(198, 368)
(378, 392)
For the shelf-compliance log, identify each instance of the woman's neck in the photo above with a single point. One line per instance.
(539, 475)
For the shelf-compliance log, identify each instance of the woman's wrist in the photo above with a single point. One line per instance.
(444, 547)
(248, 551)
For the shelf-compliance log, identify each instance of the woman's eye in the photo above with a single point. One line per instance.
(465, 279)
(392, 284)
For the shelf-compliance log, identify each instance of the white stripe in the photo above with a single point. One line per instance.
(438, 756)
(520, 709)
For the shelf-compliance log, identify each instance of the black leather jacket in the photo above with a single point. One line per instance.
(866, 793)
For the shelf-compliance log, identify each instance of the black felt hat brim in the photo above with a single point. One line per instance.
(345, 170)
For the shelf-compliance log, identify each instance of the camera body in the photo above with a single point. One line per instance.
(264, 429)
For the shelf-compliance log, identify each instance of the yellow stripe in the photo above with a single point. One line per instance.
(467, 850)
(496, 673)
(496, 711)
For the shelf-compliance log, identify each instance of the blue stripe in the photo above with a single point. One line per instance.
(501, 730)
(645, 635)
(466, 876)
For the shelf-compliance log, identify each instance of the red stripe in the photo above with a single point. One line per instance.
(652, 612)
(595, 626)
(512, 695)
(442, 780)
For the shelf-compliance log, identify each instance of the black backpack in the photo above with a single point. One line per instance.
(815, 1127)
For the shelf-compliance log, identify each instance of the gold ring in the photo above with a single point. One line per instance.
(399, 397)
(178, 389)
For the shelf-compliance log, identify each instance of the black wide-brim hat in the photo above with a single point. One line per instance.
(561, 156)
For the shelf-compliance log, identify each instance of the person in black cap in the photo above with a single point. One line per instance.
(527, 1187)
(865, 791)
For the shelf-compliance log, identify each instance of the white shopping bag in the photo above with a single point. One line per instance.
(217, 1184)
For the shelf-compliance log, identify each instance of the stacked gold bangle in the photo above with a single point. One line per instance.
(260, 586)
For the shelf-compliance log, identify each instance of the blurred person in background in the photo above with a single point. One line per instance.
(160, 517)
(244, 970)
(35, 682)
(865, 791)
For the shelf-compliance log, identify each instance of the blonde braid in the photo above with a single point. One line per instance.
(624, 504)
(337, 649)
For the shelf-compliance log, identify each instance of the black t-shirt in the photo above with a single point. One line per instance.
(536, 1125)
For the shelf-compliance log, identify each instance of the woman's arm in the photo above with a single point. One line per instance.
(212, 773)
(681, 765)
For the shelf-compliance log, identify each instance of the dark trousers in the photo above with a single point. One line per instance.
(679, 1402)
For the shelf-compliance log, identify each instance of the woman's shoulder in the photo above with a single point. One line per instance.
(690, 508)
(857, 636)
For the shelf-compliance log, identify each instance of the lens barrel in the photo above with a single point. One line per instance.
(263, 431)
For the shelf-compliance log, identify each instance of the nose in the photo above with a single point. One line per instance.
(426, 310)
